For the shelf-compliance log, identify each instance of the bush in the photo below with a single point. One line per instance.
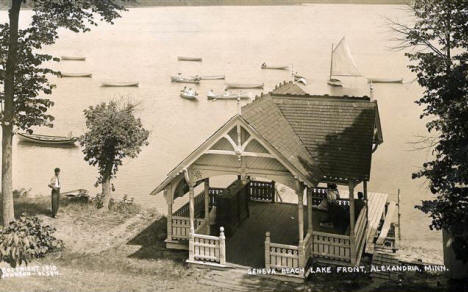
(125, 206)
(26, 239)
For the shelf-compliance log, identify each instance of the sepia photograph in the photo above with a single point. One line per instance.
(234, 145)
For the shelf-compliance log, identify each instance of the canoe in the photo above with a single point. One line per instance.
(179, 79)
(244, 86)
(63, 75)
(213, 77)
(265, 66)
(192, 59)
(47, 139)
(120, 84)
(384, 80)
(335, 82)
(229, 96)
(72, 58)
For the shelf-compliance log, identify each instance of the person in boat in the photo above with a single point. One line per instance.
(263, 65)
(211, 92)
(185, 89)
(55, 185)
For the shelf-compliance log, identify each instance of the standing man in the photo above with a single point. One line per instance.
(55, 186)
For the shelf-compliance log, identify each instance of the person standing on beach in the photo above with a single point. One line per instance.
(55, 186)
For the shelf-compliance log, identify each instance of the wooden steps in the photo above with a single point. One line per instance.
(376, 203)
(388, 221)
(385, 259)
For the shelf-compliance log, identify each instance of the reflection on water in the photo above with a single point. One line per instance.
(143, 46)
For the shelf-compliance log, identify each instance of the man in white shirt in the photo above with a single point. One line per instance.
(55, 186)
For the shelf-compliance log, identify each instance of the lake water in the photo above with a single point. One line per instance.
(143, 46)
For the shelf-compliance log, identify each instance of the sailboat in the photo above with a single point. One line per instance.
(341, 64)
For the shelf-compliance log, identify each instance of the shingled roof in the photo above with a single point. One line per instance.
(338, 132)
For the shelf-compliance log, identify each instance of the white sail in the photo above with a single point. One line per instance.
(342, 61)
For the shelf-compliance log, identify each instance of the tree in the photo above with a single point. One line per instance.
(439, 38)
(114, 133)
(23, 75)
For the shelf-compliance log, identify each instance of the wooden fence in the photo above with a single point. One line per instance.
(181, 226)
(331, 246)
(206, 249)
(262, 191)
(280, 255)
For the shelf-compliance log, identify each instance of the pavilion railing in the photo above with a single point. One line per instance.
(262, 191)
(181, 226)
(279, 256)
(330, 246)
(207, 249)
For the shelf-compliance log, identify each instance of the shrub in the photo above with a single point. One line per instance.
(124, 206)
(26, 239)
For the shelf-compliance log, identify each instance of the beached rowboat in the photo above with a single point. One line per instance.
(180, 79)
(192, 59)
(244, 86)
(63, 75)
(120, 84)
(213, 77)
(72, 58)
(228, 96)
(47, 139)
(385, 80)
(265, 66)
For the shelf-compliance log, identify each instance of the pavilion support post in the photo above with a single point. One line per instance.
(192, 208)
(300, 221)
(352, 220)
(267, 250)
(168, 195)
(364, 190)
(309, 212)
(207, 205)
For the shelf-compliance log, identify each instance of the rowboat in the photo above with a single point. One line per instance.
(47, 139)
(384, 80)
(265, 66)
(335, 82)
(189, 94)
(180, 79)
(63, 75)
(213, 77)
(299, 78)
(228, 95)
(244, 86)
(192, 59)
(120, 84)
(72, 58)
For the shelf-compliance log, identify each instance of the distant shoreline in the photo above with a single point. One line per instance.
(156, 3)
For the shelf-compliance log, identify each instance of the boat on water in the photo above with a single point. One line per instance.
(72, 58)
(84, 75)
(299, 78)
(384, 80)
(213, 77)
(228, 95)
(341, 64)
(120, 84)
(283, 67)
(180, 79)
(189, 93)
(190, 59)
(244, 86)
(47, 139)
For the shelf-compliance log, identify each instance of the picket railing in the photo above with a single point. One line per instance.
(181, 226)
(206, 249)
(261, 191)
(279, 256)
(331, 246)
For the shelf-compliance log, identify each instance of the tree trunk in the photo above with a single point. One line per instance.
(106, 192)
(9, 110)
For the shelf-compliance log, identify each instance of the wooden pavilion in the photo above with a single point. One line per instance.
(284, 137)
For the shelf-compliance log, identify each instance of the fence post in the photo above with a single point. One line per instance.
(191, 247)
(267, 250)
(222, 246)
